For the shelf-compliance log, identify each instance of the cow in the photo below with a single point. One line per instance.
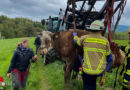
(46, 44)
(63, 43)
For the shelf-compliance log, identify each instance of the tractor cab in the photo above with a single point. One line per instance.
(52, 25)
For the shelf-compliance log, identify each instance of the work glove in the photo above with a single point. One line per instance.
(80, 58)
(74, 33)
(109, 62)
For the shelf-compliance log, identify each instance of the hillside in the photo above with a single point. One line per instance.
(19, 27)
(121, 28)
(23, 27)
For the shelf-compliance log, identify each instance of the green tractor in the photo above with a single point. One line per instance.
(52, 24)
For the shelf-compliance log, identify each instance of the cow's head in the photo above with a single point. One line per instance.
(46, 43)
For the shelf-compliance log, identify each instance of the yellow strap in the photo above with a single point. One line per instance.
(126, 49)
(95, 40)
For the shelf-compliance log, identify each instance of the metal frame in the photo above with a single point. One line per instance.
(102, 14)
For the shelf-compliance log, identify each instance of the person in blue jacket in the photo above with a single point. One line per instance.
(20, 64)
(37, 42)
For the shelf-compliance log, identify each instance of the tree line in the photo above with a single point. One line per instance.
(19, 27)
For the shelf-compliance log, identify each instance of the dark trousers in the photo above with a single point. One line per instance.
(37, 47)
(89, 81)
(19, 79)
(124, 88)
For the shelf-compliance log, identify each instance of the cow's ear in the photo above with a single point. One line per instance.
(51, 34)
(40, 34)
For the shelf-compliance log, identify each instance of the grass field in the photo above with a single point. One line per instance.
(50, 77)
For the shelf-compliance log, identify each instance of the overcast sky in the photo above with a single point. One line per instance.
(39, 9)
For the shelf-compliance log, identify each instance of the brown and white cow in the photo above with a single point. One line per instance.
(63, 43)
(46, 43)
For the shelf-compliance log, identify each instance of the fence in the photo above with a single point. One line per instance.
(1, 37)
(120, 36)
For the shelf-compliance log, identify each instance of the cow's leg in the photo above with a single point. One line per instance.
(74, 75)
(68, 75)
(65, 67)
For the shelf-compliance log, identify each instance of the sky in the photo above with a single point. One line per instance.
(39, 9)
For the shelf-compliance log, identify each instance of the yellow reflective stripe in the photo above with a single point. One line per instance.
(128, 72)
(96, 50)
(101, 62)
(87, 60)
(95, 40)
(92, 71)
(126, 49)
(129, 55)
(78, 40)
(75, 37)
(125, 81)
(124, 66)
(108, 53)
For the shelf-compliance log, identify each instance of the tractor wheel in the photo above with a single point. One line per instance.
(51, 56)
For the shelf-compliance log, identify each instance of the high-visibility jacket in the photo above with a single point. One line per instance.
(96, 49)
(125, 72)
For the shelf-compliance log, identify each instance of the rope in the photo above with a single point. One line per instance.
(110, 13)
(123, 4)
(116, 78)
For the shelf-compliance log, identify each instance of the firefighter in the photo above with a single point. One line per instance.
(20, 64)
(125, 72)
(60, 18)
(50, 24)
(97, 54)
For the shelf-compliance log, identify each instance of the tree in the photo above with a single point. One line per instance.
(19, 27)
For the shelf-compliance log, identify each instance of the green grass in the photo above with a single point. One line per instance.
(50, 77)
(119, 36)
(7, 47)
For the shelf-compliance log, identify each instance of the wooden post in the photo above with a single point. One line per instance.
(0, 35)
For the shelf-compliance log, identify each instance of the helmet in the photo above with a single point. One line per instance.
(97, 25)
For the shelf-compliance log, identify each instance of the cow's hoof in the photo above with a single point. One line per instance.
(68, 87)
